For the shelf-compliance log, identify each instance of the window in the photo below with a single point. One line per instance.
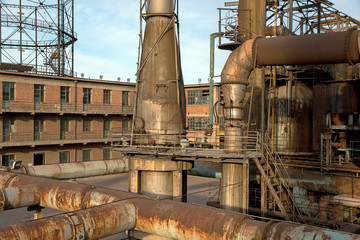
(38, 93)
(64, 157)
(107, 126)
(86, 95)
(107, 96)
(64, 127)
(7, 160)
(198, 97)
(8, 94)
(197, 123)
(106, 154)
(125, 100)
(38, 127)
(39, 159)
(8, 127)
(87, 124)
(8, 91)
(86, 155)
(64, 94)
(125, 123)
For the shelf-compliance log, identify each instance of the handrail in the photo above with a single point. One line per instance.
(281, 172)
(28, 105)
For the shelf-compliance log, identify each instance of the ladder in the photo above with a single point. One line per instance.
(277, 178)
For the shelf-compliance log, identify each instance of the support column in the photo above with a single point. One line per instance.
(158, 177)
(234, 187)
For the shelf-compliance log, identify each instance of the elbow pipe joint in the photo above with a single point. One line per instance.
(234, 80)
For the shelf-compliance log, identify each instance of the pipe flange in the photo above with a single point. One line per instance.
(234, 119)
(78, 226)
(347, 45)
(2, 201)
(232, 107)
(254, 50)
(234, 82)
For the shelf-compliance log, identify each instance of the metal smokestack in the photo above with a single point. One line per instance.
(160, 97)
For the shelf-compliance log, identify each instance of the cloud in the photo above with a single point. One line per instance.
(108, 37)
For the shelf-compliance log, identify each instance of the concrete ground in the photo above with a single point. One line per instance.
(200, 190)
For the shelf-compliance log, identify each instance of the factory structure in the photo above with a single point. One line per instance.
(279, 127)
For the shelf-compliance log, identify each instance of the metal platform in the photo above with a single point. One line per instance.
(191, 154)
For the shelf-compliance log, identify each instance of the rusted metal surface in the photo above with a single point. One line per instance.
(64, 196)
(162, 217)
(23, 196)
(293, 124)
(93, 223)
(342, 98)
(280, 231)
(177, 220)
(78, 169)
(319, 113)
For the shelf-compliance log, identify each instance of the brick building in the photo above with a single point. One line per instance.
(49, 119)
(197, 109)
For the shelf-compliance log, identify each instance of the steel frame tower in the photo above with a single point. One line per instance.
(37, 36)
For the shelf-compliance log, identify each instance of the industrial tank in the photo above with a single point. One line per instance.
(293, 119)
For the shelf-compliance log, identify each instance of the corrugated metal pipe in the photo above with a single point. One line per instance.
(77, 169)
(165, 218)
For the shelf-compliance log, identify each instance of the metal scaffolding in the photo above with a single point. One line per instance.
(309, 17)
(37, 36)
(292, 17)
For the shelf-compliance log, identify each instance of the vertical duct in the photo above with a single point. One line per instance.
(160, 99)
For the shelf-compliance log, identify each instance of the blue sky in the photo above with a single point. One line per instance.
(108, 37)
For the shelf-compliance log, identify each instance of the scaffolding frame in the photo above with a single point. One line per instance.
(37, 36)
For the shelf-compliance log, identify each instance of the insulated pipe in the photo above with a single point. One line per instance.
(93, 223)
(162, 217)
(78, 169)
(17, 197)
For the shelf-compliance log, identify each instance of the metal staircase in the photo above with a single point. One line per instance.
(277, 178)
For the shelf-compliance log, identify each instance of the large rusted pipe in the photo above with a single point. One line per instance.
(162, 217)
(77, 169)
(93, 223)
(64, 196)
(175, 220)
(327, 48)
(17, 197)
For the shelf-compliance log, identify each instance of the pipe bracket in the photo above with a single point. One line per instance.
(2, 201)
(78, 226)
(347, 45)
(235, 82)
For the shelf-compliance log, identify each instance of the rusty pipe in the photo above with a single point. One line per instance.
(162, 217)
(327, 48)
(64, 196)
(17, 197)
(176, 220)
(339, 47)
(93, 223)
(78, 169)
